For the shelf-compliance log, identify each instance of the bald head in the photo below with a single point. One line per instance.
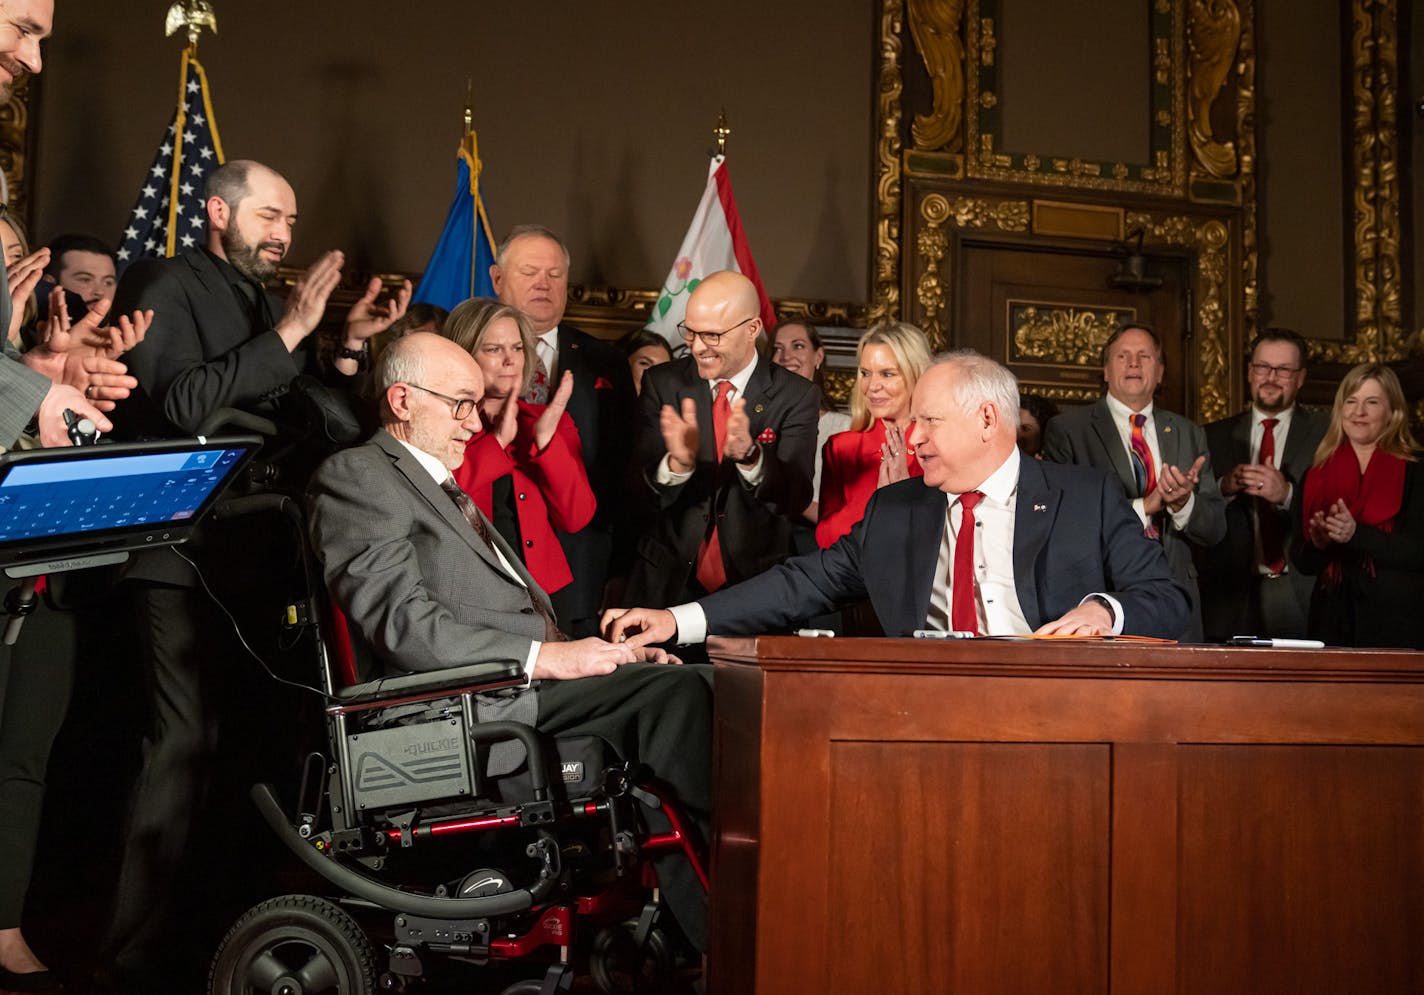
(413, 374)
(725, 303)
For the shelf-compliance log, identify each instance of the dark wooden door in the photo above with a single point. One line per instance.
(1046, 312)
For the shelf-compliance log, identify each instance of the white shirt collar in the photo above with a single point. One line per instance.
(739, 381)
(437, 470)
(1121, 412)
(1000, 485)
(1282, 417)
(550, 338)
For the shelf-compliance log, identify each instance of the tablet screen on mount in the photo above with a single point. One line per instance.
(124, 496)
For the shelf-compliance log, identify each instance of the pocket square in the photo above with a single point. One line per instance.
(603, 383)
(767, 437)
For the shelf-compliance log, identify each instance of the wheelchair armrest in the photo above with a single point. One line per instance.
(385, 691)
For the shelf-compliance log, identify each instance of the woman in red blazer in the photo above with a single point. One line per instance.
(889, 360)
(525, 470)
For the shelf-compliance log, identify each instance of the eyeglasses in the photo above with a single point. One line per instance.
(1265, 371)
(461, 406)
(708, 338)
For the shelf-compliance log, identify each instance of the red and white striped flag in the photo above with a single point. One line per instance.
(714, 242)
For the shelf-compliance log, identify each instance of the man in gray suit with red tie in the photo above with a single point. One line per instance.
(428, 585)
(986, 542)
(1158, 456)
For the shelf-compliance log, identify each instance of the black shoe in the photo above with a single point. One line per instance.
(30, 982)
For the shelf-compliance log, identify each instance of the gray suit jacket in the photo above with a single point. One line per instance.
(422, 590)
(1088, 437)
(21, 388)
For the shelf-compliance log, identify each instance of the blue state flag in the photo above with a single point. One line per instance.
(171, 212)
(459, 266)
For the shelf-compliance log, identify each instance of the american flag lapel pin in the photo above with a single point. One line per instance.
(1040, 507)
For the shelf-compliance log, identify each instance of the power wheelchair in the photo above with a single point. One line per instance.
(428, 868)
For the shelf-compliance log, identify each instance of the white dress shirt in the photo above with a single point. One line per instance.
(1258, 432)
(1121, 415)
(546, 347)
(440, 474)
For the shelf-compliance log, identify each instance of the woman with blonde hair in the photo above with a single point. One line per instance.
(1362, 516)
(889, 362)
(525, 470)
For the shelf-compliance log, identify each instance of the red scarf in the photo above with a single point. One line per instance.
(1373, 497)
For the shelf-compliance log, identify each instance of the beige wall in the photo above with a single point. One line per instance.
(594, 119)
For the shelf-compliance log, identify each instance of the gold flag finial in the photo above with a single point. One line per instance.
(721, 132)
(469, 104)
(193, 15)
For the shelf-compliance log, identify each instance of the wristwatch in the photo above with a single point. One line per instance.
(361, 355)
(752, 454)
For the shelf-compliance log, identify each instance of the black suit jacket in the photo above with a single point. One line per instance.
(1074, 535)
(754, 523)
(601, 407)
(1225, 570)
(202, 352)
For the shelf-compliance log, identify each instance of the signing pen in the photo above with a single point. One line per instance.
(1281, 644)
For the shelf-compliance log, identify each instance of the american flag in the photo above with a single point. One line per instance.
(171, 215)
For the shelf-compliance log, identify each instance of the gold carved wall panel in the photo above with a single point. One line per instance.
(1060, 334)
(15, 143)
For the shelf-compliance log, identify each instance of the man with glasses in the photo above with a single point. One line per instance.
(725, 446)
(1158, 455)
(429, 584)
(1259, 457)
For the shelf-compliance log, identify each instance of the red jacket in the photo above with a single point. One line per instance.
(551, 489)
(850, 468)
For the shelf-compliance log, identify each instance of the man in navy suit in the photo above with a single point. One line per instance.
(531, 272)
(1054, 549)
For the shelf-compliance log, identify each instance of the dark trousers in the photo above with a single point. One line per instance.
(660, 716)
(183, 654)
(36, 678)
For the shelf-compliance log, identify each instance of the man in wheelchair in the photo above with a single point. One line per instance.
(434, 593)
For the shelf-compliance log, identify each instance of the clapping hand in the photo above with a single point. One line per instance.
(548, 422)
(307, 301)
(1174, 487)
(507, 427)
(1338, 525)
(893, 464)
(739, 443)
(680, 435)
(368, 318)
(23, 276)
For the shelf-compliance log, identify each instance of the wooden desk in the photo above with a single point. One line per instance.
(902, 816)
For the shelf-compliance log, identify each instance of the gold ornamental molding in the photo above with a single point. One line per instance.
(1061, 334)
(885, 294)
(932, 243)
(14, 145)
(1246, 179)
(1209, 241)
(934, 24)
(1165, 174)
(1213, 33)
(1380, 334)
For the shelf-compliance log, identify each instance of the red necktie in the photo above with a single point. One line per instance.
(711, 574)
(962, 614)
(1268, 522)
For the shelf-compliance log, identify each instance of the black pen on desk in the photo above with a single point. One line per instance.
(1280, 644)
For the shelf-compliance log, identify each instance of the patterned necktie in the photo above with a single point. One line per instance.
(963, 617)
(476, 518)
(1144, 471)
(711, 574)
(1268, 522)
(538, 392)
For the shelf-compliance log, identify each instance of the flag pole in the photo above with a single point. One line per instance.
(471, 150)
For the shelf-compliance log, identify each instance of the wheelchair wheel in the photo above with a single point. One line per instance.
(619, 967)
(294, 945)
